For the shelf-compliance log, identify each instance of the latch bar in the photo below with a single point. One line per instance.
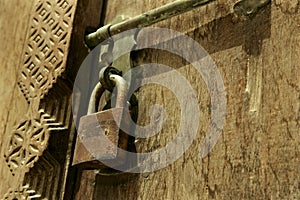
(145, 19)
(244, 7)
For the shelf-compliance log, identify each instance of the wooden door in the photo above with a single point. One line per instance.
(256, 155)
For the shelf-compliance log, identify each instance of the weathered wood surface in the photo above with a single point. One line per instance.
(13, 22)
(257, 155)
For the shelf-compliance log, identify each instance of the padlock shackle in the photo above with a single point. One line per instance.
(122, 90)
(95, 98)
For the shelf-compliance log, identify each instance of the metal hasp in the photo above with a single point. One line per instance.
(143, 20)
(249, 7)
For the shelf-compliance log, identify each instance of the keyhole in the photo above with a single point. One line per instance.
(106, 131)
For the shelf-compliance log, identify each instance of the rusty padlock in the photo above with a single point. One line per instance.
(99, 133)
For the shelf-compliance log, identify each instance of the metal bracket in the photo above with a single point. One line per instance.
(249, 7)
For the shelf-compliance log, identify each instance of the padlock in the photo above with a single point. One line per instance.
(99, 137)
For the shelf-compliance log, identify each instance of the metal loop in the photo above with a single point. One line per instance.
(95, 98)
(104, 77)
(122, 90)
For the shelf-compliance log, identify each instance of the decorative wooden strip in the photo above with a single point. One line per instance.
(24, 192)
(45, 57)
(46, 48)
(30, 138)
(45, 177)
(51, 48)
(28, 141)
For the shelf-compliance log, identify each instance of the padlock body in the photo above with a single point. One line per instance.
(100, 137)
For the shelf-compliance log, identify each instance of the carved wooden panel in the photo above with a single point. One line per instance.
(46, 49)
(22, 193)
(38, 152)
(43, 177)
(44, 60)
(27, 143)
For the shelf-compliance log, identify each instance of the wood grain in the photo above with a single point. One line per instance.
(257, 155)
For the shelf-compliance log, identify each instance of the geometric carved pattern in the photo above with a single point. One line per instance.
(30, 138)
(22, 193)
(28, 141)
(45, 176)
(57, 107)
(46, 48)
(44, 60)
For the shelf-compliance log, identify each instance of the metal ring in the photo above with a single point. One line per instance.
(98, 91)
(104, 77)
